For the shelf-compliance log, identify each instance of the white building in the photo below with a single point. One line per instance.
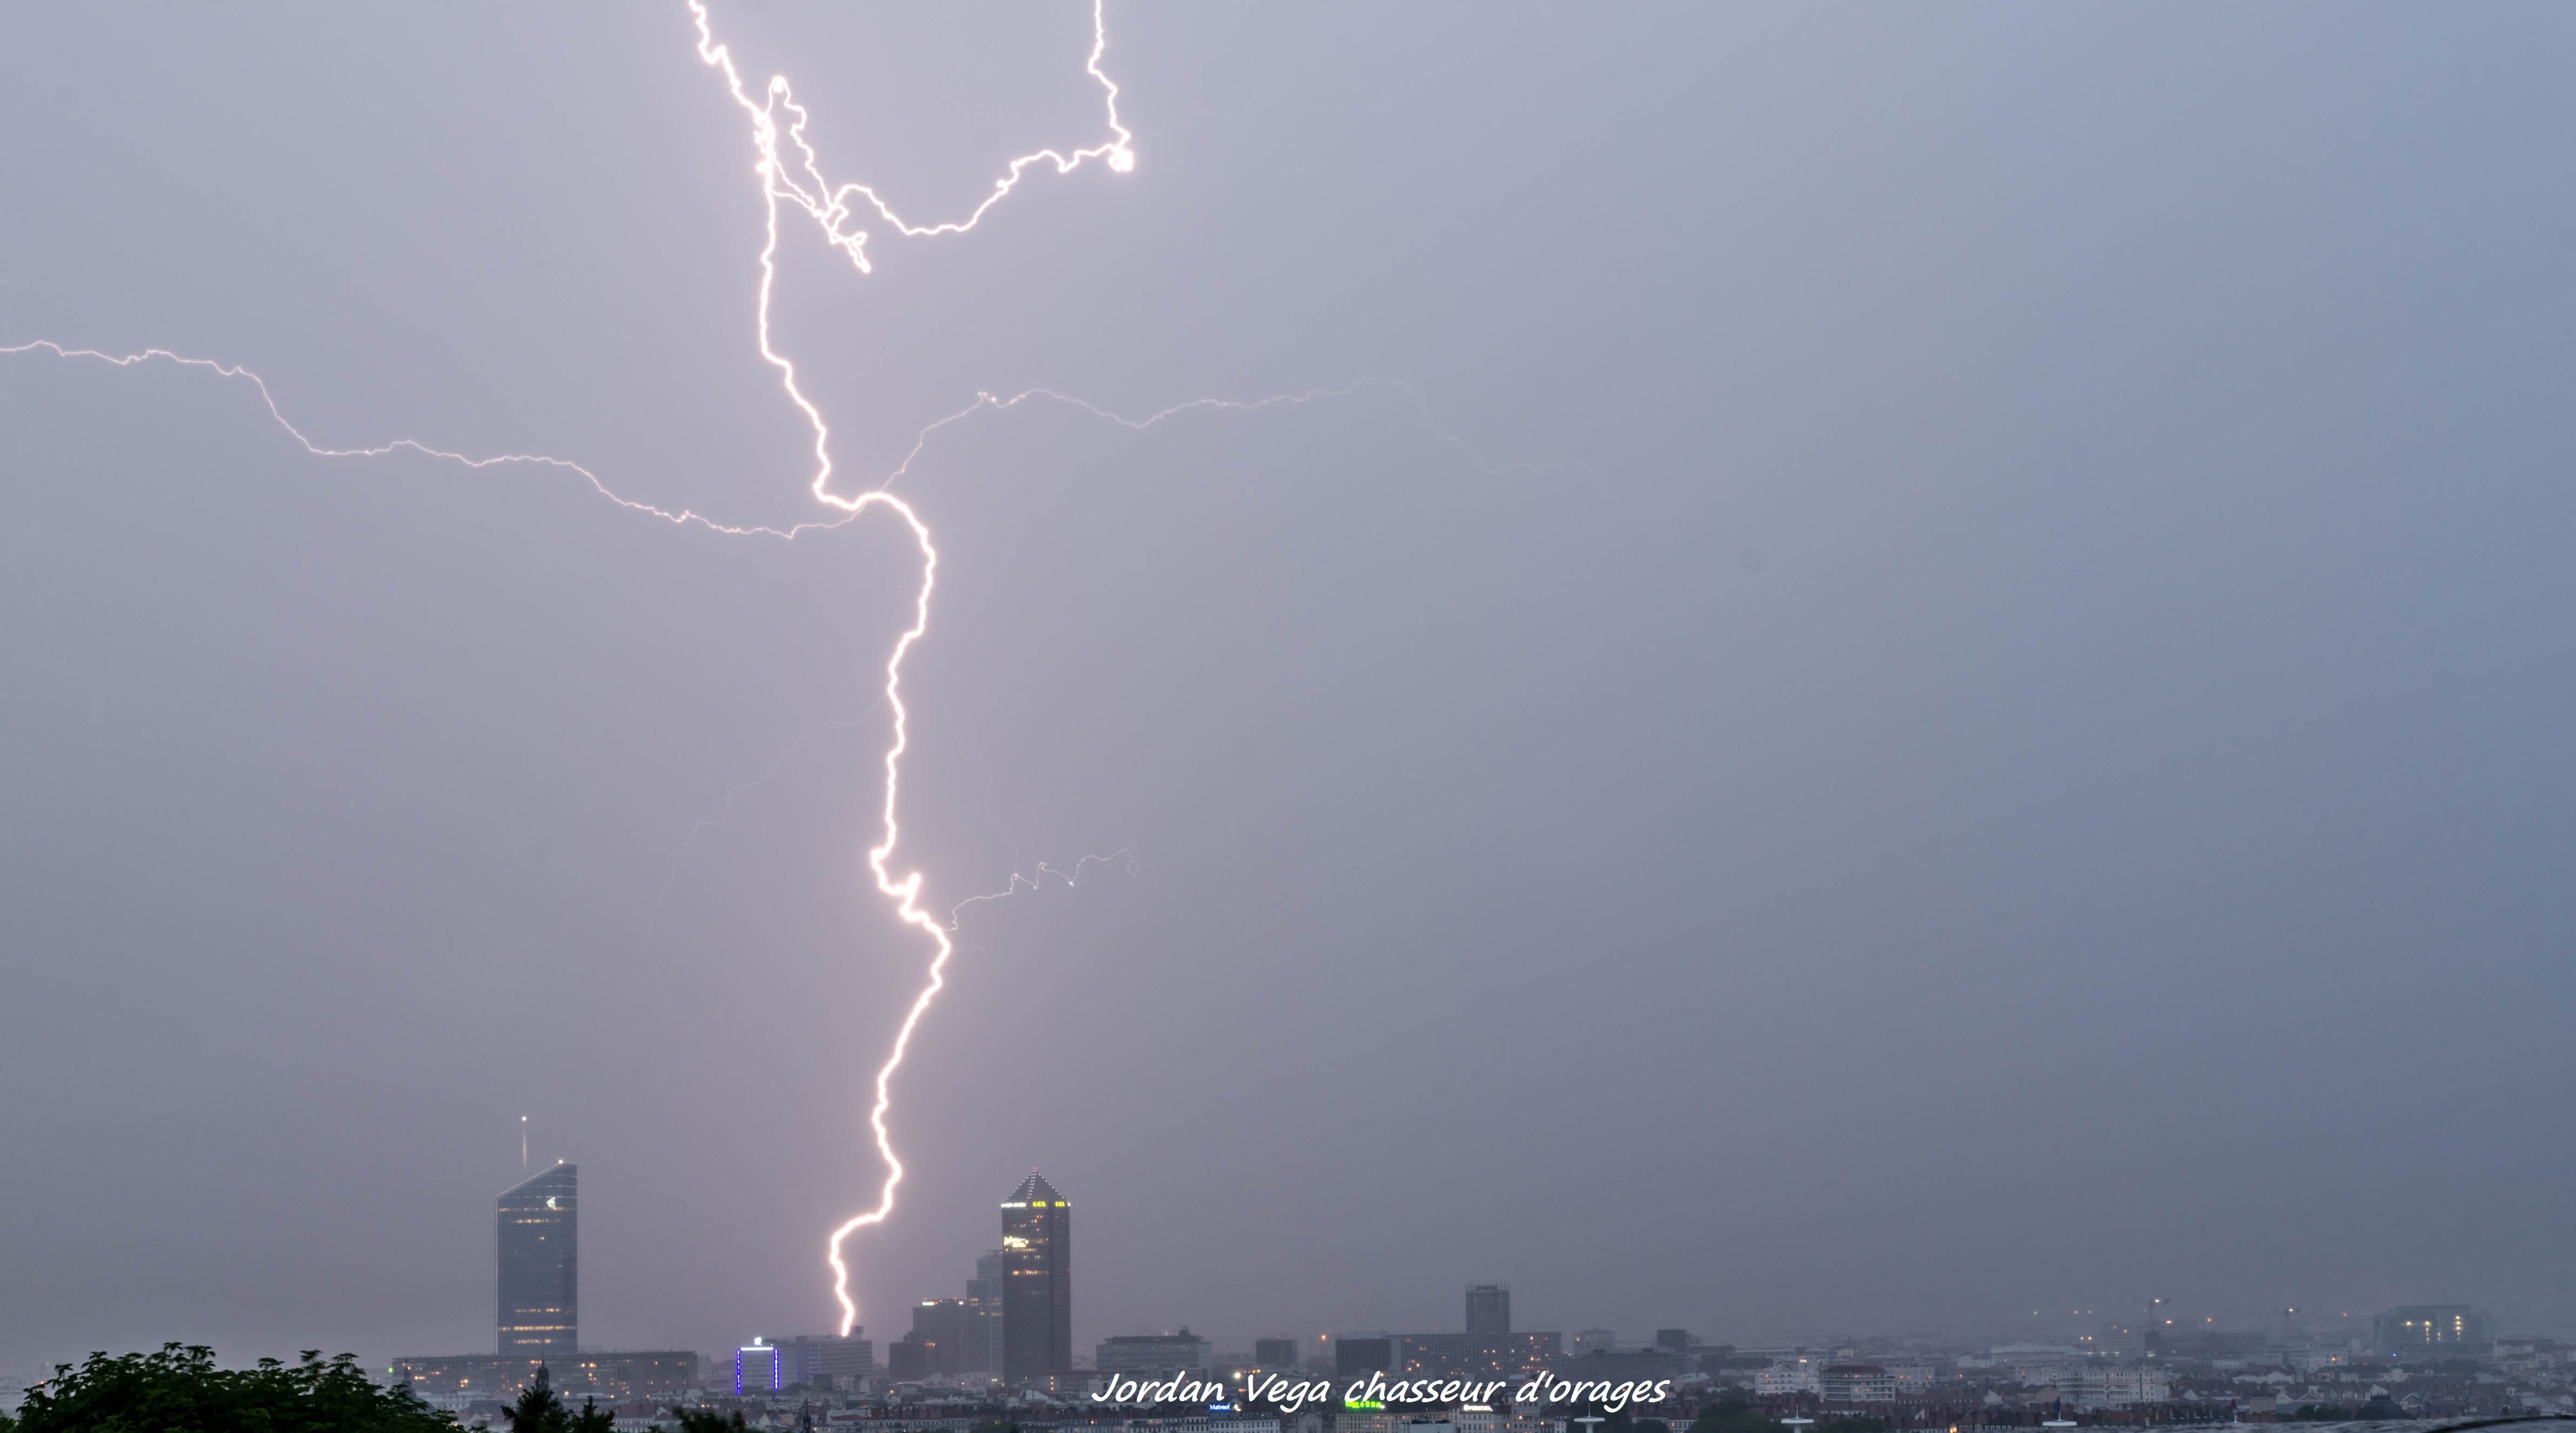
(2098, 1387)
(1789, 1375)
(758, 1368)
(1857, 1383)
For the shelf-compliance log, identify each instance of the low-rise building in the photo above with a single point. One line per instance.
(1856, 1383)
(1183, 1352)
(609, 1376)
(1797, 1374)
(2104, 1386)
(2431, 1331)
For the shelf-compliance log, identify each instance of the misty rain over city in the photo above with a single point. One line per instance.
(1089, 716)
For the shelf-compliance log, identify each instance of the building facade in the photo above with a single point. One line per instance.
(1489, 1308)
(912, 1357)
(758, 1368)
(609, 1377)
(2094, 1388)
(1356, 1354)
(1793, 1374)
(965, 1330)
(1858, 1383)
(821, 1358)
(1183, 1352)
(2431, 1330)
(984, 1292)
(1477, 1355)
(540, 1253)
(1037, 1282)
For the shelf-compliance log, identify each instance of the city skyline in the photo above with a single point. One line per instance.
(2124, 1358)
(2151, 1360)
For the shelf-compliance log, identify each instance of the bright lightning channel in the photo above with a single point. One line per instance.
(832, 209)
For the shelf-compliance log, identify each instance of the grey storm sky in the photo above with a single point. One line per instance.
(1947, 695)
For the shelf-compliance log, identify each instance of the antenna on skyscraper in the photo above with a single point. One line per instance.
(523, 1142)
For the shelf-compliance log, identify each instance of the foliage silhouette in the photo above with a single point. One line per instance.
(180, 1388)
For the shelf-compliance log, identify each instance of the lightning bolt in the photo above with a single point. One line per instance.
(799, 186)
(831, 209)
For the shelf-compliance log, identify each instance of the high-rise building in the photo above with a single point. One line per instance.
(540, 1265)
(983, 1350)
(758, 1368)
(963, 1329)
(1037, 1282)
(984, 1292)
(1489, 1308)
(1279, 1354)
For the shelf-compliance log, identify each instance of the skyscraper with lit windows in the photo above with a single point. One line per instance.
(540, 1265)
(1037, 1282)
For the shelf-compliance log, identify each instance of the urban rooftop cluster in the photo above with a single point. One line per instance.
(1000, 1357)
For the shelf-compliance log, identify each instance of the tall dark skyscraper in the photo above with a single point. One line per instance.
(1037, 1281)
(984, 1291)
(540, 1265)
(1489, 1308)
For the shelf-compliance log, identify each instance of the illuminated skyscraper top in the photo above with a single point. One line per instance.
(540, 1265)
(1037, 1281)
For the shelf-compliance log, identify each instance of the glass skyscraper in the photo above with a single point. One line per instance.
(984, 1291)
(540, 1265)
(1037, 1282)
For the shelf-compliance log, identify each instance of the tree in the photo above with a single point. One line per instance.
(1732, 1415)
(539, 1410)
(707, 1420)
(181, 1388)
